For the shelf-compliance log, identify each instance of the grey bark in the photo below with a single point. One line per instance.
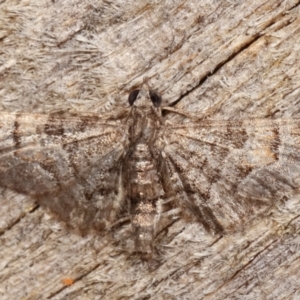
(229, 59)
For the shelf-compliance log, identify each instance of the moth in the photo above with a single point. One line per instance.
(93, 170)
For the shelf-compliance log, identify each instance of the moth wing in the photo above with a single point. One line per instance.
(69, 164)
(227, 172)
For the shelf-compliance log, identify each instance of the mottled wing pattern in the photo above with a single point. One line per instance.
(70, 164)
(226, 172)
(222, 172)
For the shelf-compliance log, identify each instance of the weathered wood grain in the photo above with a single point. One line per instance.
(207, 57)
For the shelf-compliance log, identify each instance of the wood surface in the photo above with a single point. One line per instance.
(229, 59)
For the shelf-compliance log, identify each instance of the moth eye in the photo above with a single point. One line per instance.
(132, 96)
(155, 98)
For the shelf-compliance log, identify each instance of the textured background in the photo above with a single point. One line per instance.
(231, 59)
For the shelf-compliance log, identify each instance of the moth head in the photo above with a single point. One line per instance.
(144, 98)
